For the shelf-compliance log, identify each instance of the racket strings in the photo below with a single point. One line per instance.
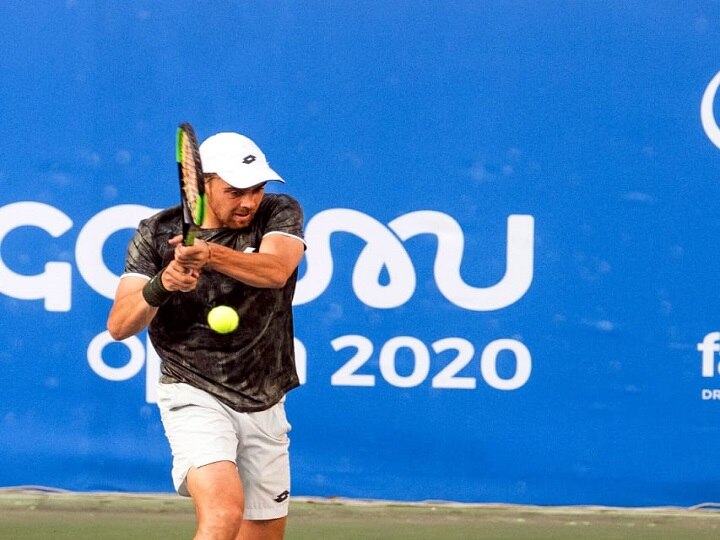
(190, 177)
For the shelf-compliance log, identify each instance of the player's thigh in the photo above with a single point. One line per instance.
(217, 494)
(268, 529)
(216, 488)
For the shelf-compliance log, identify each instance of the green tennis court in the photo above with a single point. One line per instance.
(32, 515)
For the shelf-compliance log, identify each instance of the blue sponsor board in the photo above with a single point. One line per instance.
(509, 293)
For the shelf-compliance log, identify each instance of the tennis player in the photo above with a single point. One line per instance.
(221, 397)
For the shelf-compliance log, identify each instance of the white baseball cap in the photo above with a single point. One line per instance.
(237, 160)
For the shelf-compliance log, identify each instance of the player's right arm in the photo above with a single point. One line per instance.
(130, 312)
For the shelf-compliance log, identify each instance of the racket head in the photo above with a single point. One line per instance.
(192, 183)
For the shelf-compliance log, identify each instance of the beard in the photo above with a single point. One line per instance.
(237, 218)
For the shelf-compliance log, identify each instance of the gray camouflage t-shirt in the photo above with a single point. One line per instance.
(251, 368)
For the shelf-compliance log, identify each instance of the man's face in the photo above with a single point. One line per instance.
(228, 206)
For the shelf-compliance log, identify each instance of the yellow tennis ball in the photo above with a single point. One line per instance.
(223, 319)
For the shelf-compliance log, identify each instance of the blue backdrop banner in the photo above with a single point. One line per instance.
(509, 292)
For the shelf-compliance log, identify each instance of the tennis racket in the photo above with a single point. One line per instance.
(192, 183)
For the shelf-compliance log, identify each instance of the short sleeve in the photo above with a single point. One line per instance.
(142, 256)
(285, 216)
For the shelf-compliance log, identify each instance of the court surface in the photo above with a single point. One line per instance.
(37, 514)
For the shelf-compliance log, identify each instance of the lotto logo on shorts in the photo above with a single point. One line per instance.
(282, 497)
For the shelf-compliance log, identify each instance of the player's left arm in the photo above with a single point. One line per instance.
(270, 267)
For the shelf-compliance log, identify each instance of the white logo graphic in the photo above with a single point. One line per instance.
(41, 286)
(707, 114)
(709, 347)
(54, 285)
(384, 250)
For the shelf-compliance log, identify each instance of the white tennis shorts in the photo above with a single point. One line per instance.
(202, 430)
